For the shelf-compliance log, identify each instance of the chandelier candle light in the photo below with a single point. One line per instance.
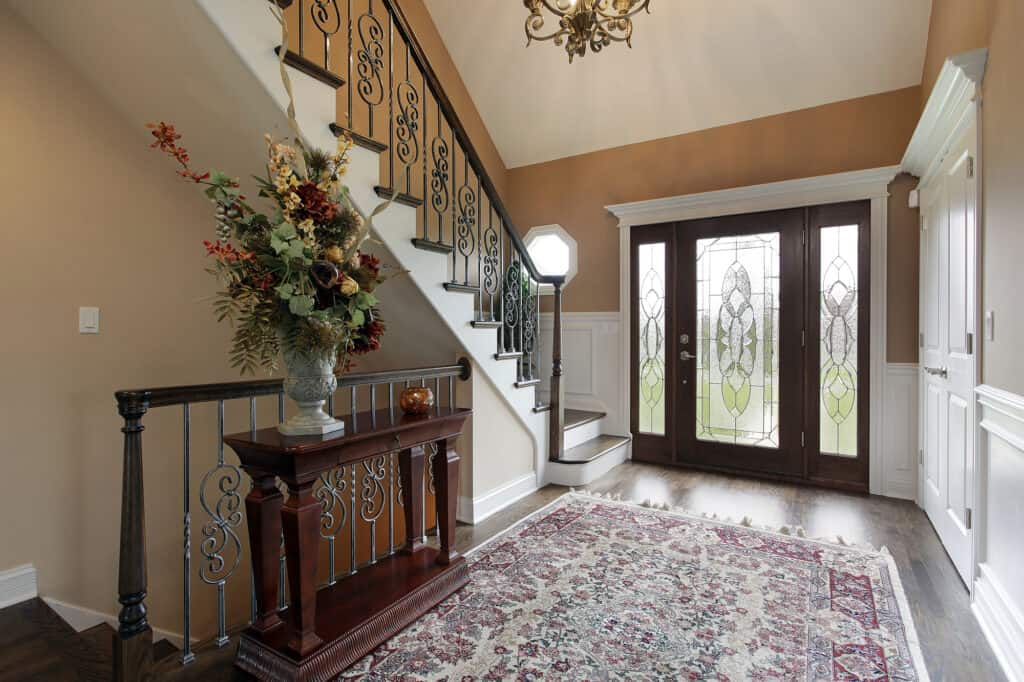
(584, 22)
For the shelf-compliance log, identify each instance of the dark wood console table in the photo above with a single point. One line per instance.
(330, 629)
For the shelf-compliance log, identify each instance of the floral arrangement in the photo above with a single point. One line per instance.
(295, 279)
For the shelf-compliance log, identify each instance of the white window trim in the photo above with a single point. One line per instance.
(870, 184)
(558, 230)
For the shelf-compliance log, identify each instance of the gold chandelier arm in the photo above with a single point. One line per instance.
(559, 12)
(643, 5)
(534, 23)
(624, 34)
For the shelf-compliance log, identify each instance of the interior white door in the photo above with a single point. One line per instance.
(948, 358)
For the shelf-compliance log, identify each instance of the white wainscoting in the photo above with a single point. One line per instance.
(998, 595)
(590, 365)
(899, 431)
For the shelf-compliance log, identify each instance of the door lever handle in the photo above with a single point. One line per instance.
(937, 371)
(686, 355)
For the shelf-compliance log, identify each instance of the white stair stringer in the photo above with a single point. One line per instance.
(254, 35)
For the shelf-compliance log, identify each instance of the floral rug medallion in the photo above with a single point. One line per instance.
(593, 589)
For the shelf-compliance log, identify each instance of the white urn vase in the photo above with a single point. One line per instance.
(310, 382)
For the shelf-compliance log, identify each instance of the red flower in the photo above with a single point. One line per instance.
(315, 204)
(368, 338)
(226, 252)
(370, 263)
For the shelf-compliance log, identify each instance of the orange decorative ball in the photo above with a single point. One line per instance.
(416, 400)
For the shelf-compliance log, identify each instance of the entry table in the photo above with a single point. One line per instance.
(330, 629)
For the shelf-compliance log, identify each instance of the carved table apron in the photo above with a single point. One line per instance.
(327, 630)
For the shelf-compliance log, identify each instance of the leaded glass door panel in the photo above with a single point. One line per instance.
(739, 354)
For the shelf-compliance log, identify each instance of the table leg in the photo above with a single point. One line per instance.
(446, 482)
(410, 470)
(300, 518)
(263, 516)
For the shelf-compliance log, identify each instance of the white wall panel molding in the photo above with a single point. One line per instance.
(899, 431)
(998, 590)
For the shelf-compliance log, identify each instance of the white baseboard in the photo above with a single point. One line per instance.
(17, 585)
(1001, 622)
(81, 618)
(475, 510)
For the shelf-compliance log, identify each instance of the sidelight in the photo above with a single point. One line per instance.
(651, 341)
(838, 341)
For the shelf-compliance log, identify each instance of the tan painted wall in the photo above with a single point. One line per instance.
(856, 134)
(903, 256)
(1003, 200)
(955, 26)
(92, 217)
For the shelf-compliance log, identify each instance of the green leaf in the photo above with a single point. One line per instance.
(301, 305)
(285, 231)
(365, 300)
(358, 319)
(278, 245)
(296, 249)
(285, 291)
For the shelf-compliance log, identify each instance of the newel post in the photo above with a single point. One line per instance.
(133, 646)
(556, 434)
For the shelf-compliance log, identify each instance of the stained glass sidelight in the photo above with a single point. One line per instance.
(838, 343)
(651, 325)
(737, 339)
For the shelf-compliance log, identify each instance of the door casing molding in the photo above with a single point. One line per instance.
(871, 184)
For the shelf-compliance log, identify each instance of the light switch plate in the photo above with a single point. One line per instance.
(88, 320)
(990, 325)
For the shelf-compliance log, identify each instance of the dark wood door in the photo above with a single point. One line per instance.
(749, 336)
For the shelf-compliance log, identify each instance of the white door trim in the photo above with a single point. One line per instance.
(872, 184)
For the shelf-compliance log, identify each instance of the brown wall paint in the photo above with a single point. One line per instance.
(856, 134)
(902, 272)
(955, 26)
(1002, 170)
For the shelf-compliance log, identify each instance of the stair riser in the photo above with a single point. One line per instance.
(585, 474)
(581, 434)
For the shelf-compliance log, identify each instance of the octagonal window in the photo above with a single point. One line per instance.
(552, 250)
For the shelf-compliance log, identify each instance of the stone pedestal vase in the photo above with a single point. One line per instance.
(310, 383)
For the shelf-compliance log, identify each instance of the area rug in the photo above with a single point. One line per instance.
(595, 589)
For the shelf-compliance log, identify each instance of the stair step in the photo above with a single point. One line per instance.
(402, 198)
(429, 245)
(590, 450)
(461, 288)
(312, 69)
(164, 649)
(360, 140)
(507, 356)
(527, 382)
(486, 324)
(574, 418)
(101, 638)
(37, 644)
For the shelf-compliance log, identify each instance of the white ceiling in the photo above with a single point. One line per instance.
(695, 64)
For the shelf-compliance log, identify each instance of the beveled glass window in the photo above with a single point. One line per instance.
(737, 339)
(838, 342)
(651, 341)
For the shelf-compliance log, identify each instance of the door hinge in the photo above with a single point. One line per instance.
(970, 343)
(920, 339)
(920, 456)
(803, 338)
(803, 443)
(970, 166)
(803, 237)
(968, 520)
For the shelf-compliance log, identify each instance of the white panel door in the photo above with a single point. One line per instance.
(948, 359)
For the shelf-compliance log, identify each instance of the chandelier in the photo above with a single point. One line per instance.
(584, 22)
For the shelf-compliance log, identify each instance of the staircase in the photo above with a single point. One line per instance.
(447, 226)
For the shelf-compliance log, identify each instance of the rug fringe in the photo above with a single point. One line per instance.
(746, 521)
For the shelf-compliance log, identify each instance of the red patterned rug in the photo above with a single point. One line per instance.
(593, 589)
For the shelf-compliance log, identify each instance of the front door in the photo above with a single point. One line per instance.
(752, 343)
(948, 324)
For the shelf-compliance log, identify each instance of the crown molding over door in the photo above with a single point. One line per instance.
(871, 184)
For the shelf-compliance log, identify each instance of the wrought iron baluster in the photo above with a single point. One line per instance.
(391, 503)
(282, 566)
(454, 201)
(439, 197)
(466, 242)
(348, 81)
(355, 420)
(489, 277)
(437, 395)
(333, 513)
(219, 534)
(373, 498)
(423, 146)
(302, 32)
(370, 58)
(451, 392)
(321, 13)
(479, 312)
(353, 563)
(432, 487)
(186, 652)
(530, 329)
(373, 406)
(391, 402)
(391, 103)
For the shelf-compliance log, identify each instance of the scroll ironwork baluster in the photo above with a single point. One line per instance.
(348, 81)
(466, 241)
(370, 58)
(282, 571)
(321, 13)
(439, 198)
(219, 535)
(333, 513)
(353, 560)
(391, 503)
(391, 105)
(186, 647)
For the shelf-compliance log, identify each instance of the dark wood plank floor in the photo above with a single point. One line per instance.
(954, 647)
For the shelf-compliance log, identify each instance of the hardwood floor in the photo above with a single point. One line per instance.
(954, 648)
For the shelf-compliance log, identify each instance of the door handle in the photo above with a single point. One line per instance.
(686, 355)
(937, 371)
